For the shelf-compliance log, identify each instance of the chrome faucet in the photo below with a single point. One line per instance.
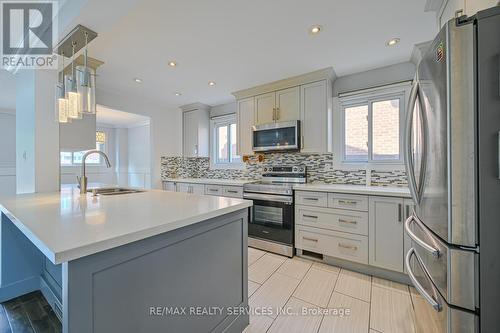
(82, 181)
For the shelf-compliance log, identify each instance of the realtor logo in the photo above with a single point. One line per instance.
(28, 34)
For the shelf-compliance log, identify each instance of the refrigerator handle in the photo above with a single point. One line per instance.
(435, 252)
(410, 171)
(438, 307)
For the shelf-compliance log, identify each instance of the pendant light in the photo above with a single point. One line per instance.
(86, 83)
(61, 114)
(74, 110)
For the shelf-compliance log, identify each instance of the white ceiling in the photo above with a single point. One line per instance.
(120, 119)
(241, 43)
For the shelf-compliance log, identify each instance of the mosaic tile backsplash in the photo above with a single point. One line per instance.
(319, 169)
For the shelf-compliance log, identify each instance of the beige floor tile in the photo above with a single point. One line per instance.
(266, 265)
(274, 293)
(252, 287)
(326, 267)
(383, 283)
(295, 267)
(296, 321)
(391, 311)
(356, 321)
(354, 284)
(316, 287)
(254, 255)
(258, 324)
(435, 322)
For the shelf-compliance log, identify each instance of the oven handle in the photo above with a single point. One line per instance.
(269, 197)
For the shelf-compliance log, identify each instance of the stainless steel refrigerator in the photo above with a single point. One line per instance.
(453, 165)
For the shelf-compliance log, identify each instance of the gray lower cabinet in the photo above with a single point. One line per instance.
(359, 228)
(231, 191)
(386, 233)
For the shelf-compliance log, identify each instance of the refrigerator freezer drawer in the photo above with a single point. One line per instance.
(452, 270)
(432, 312)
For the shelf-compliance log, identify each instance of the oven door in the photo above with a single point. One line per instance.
(271, 217)
(276, 136)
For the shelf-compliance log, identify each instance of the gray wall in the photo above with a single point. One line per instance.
(375, 77)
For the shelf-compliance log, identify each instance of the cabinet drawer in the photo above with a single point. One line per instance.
(213, 190)
(232, 191)
(334, 244)
(333, 219)
(348, 201)
(169, 186)
(317, 199)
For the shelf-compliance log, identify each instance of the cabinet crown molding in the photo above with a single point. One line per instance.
(322, 74)
(195, 106)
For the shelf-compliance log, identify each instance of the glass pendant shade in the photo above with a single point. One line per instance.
(85, 85)
(61, 114)
(74, 108)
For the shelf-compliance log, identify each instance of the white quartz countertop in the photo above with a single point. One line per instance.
(66, 226)
(210, 181)
(388, 191)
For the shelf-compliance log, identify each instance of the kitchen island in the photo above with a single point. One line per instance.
(145, 262)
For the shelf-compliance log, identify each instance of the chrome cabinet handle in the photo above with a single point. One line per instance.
(310, 216)
(231, 191)
(310, 239)
(213, 190)
(347, 221)
(435, 252)
(407, 211)
(438, 307)
(312, 199)
(348, 202)
(349, 247)
(400, 212)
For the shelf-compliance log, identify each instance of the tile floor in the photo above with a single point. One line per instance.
(316, 291)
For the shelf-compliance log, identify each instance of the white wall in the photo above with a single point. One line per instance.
(373, 78)
(223, 109)
(7, 152)
(139, 157)
(166, 127)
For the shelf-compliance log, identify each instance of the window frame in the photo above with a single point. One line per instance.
(215, 124)
(368, 97)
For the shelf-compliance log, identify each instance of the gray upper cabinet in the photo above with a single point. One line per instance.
(196, 128)
(246, 118)
(265, 106)
(287, 104)
(386, 245)
(314, 116)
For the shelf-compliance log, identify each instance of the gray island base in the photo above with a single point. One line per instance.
(192, 279)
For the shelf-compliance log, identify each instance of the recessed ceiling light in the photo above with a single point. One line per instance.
(211, 83)
(393, 42)
(172, 63)
(177, 94)
(137, 80)
(315, 29)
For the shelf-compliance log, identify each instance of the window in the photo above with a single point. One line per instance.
(372, 128)
(75, 158)
(224, 142)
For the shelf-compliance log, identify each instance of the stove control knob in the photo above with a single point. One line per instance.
(302, 169)
(295, 169)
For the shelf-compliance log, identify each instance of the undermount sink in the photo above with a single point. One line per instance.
(113, 191)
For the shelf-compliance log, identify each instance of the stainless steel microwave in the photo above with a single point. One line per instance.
(276, 136)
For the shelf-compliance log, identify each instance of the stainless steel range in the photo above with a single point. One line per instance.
(271, 223)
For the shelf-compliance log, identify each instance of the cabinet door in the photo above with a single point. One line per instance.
(264, 108)
(198, 189)
(288, 104)
(314, 117)
(386, 220)
(183, 187)
(170, 186)
(408, 208)
(246, 116)
(190, 134)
